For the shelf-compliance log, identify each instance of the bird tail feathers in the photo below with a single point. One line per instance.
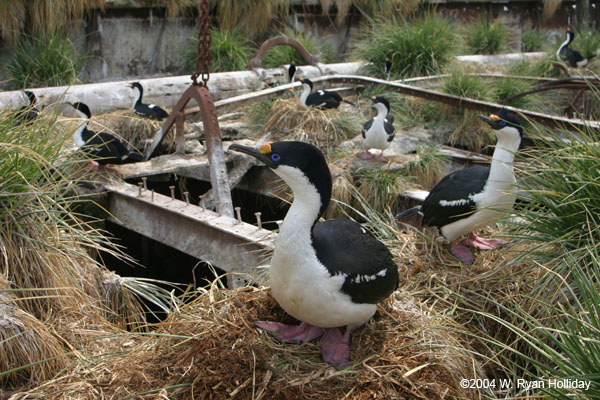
(409, 212)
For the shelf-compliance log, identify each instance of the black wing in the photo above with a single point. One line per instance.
(449, 200)
(389, 128)
(345, 247)
(367, 125)
(106, 147)
(154, 112)
(159, 113)
(573, 57)
(390, 118)
(323, 99)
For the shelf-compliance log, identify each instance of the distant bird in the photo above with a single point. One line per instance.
(472, 198)
(388, 68)
(291, 72)
(378, 132)
(29, 112)
(573, 57)
(320, 98)
(104, 147)
(329, 275)
(146, 110)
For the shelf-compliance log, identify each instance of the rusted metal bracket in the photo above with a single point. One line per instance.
(212, 139)
(288, 41)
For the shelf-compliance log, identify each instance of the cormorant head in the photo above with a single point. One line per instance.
(381, 100)
(82, 109)
(299, 164)
(306, 81)
(31, 97)
(135, 85)
(504, 121)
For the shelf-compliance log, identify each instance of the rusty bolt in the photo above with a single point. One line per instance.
(172, 189)
(152, 196)
(145, 181)
(238, 212)
(202, 202)
(140, 186)
(258, 221)
(187, 198)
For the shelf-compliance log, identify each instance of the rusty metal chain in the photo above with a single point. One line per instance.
(204, 37)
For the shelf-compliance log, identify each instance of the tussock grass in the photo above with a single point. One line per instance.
(251, 17)
(43, 61)
(486, 36)
(533, 39)
(323, 128)
(381, 189)
(427, 169)
(417, 47)
(229, 51)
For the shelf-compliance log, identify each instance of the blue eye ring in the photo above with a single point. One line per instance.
(502, 123)
(275, 157)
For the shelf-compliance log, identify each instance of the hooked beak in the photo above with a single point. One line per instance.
(130, 84)
(251, 151)
(492, 120)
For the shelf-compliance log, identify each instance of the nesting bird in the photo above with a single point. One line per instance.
(29, 112)
(472, 198)
(146, 110)
(320, 98)
(329, 275)
(573, 57)
(378, 132)
(103, 147)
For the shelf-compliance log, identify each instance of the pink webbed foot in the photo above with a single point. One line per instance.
(366, 155)
(483, 244)
(335, 347)
(291, 333)
(381, 157)
(92, 165)
(463, 253)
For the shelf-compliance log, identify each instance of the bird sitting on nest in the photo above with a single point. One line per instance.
(146, 110)
(472, 198)
(378, 132)
(329, 275)
(572, 56)
(103, 147)
(320, 98)
(29, 112)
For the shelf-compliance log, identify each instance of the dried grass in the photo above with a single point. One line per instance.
(212, 350)
(289, 121)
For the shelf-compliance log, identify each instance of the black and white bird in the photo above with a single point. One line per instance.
(29, 112)
(388, 68)
(573, 57)
(291, 72)
(378, 132)
(146, 110)
(329, 275)
(472, 198)
(103, 147)
(320, 98)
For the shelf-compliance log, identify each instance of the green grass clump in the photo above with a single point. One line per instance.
(533, 39)
(229, 51)
(281, 55)
(541, 68)
(506, 88)
(43, 61)
(427, 169)
(485, 36)
(259, 113)
(460, 83)
(381, 189)
(417, 47)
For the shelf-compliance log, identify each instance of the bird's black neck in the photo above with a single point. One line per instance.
(141, 93)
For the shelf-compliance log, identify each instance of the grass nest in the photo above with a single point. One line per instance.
(323, 128)
(211, 349)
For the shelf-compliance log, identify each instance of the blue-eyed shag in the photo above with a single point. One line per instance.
(320, 98)
(388, 68)
(378, 132)
(573, 57)
(103, 147)
(328, 275)
(291, 72)
(472, 198)
(146, 110)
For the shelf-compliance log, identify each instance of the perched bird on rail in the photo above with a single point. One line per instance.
(573, 57)
(320, 98)
(329, 275)
(103, 147)
(146, 110)
(388, 68)
(378, 132)
(472, 198)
